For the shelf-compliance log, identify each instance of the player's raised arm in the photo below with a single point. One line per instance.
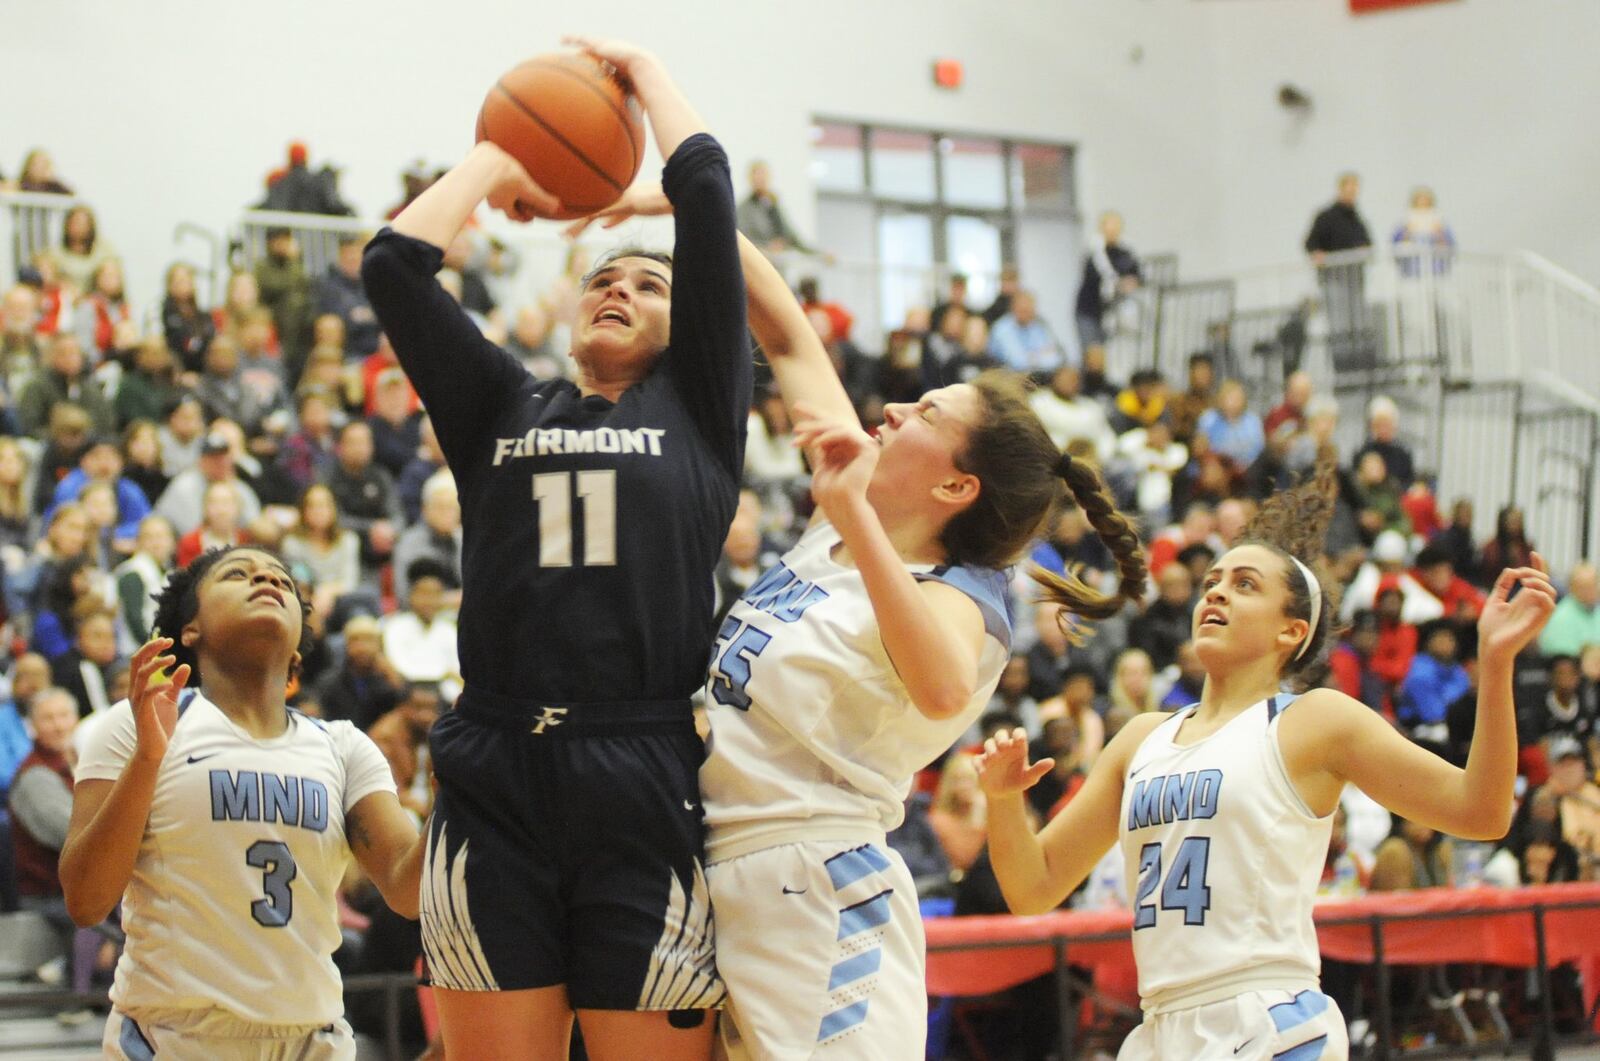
(108, 817)
(1474, 803)
(1037, 871)
(709, 349)
(800, 364)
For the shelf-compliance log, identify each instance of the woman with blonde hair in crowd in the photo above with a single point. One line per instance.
(958, 815)
(1133, 687)
(186, 327)
(16, 500)
(81, 251)
(38, 174)
(99, 501)
(219, 527)
(243, 299)
(141, 458)
(332, 552)
(103, 311)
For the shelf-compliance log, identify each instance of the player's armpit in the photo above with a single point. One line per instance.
(389, 849)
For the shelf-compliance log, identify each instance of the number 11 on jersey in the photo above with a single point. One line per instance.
(597, 492)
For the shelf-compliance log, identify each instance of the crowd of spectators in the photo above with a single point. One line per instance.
(132, 438)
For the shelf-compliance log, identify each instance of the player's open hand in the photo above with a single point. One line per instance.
(1509, 623)
(641, 200)
(843, 456)
(1003, 767)
(154, 697)
(511, 191)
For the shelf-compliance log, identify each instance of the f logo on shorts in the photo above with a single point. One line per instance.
(551, 717)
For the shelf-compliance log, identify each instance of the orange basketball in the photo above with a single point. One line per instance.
(573, 125)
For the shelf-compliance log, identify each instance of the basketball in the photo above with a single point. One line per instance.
(574, 126)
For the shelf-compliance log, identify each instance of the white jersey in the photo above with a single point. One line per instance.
(1227, 857)
(811, 727)
(232, 904)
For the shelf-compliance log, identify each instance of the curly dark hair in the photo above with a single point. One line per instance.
(179, 600)
(1294, 525)
(1022, 475)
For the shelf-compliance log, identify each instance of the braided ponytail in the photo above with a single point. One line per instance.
(1091, 494)
(1021, 475)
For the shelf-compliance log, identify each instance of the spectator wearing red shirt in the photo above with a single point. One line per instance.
(373, 366)
(219, 524)
(1292, 410)
(1461, 599)
(1196, 529)
(811, 298)
(1350, 664)
(1422, 508)
(1397, 641)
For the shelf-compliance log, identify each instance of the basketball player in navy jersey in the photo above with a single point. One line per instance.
(853, 663)
(564, 867)
(1224, 808)
(224, 822)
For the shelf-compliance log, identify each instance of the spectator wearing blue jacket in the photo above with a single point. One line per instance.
(1024, 342)
(1436, 679)
(101, 461)
(1232, 429)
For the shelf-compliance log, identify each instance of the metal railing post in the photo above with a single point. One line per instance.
(1544, 1039)
(1067, 1015)
(1381, 988)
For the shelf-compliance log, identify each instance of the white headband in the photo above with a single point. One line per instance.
(1315, 588)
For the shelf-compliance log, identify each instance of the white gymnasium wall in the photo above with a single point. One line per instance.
(171, 110)
(1490, 102)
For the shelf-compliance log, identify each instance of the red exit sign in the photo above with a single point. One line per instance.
(1364, 6)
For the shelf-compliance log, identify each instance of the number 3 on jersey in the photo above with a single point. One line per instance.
(1185, 886)
(597, 490)
(730, 672)
(276, 862)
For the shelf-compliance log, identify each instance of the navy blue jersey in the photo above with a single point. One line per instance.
(591, 528)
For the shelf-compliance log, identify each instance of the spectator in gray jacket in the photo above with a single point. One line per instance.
(761, 219)
(182, 501)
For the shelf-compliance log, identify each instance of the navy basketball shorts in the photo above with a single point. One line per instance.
(566, 847)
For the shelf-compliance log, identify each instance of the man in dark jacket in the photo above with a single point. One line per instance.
(365, 493)
(1110, 273)
(341, 294)
(366, 686)
(299, 190)
(1339, 227)
(286, 291)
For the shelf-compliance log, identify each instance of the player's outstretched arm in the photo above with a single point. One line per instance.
(108, 817)
(800, 363)
(438, 214)
(1352, 743)
(1037, 871)
(389, 850)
